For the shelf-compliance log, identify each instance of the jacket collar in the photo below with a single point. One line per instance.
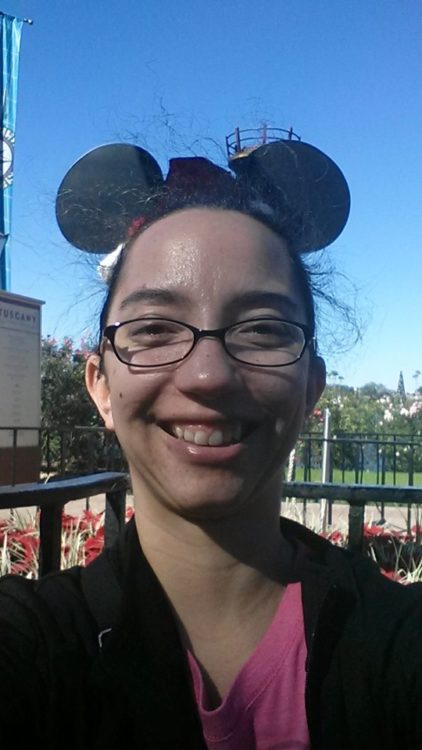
(144, 664)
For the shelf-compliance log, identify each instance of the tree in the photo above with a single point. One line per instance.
(375, 390)
(351, 410)
(333, 374)
(401, 390)
(361, 412)
(65, 407)
(64, 400)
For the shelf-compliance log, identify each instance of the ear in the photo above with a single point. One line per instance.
(97, 387)
(316, 382)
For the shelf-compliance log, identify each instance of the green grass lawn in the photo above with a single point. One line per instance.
(368, 477)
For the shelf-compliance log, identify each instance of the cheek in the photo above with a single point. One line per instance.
(133, 394)
(281, 391)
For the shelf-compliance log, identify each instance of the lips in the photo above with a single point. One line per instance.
(209, 435)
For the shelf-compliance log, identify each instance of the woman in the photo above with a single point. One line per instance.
(210, 625)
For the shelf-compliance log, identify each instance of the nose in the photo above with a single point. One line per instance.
(208, 370)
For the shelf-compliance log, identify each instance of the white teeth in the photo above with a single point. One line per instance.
(200, 438)
(214, 438)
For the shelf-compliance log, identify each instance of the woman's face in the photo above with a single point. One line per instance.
(210, 268)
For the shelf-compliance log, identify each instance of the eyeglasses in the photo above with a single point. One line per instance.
(261, 342)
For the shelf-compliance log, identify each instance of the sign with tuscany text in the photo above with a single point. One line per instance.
(20, 405)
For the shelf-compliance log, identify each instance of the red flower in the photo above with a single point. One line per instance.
(69, 523)
(336, 537)
(375, 530)
(94, 545)
(23, 547)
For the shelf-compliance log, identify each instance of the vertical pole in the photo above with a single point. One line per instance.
(4, 262)
(411, 482)
(394, 458)
(356, 524)
(14, 454)
(383, 463)
(290, 469)
(307, 460)
(326, 462)
(237, 133)
(10, 28)
(291, 465)
(50, 538)
(411, 464)
(356, 456)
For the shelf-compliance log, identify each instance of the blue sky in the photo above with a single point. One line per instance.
(179, 75)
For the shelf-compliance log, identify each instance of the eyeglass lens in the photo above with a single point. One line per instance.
(261, 342)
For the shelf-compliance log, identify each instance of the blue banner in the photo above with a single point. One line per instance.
(10, 30)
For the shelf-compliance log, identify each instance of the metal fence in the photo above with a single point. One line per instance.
(51, 498)
(353, 458)
(80, 450)
(57, 451)
(384, 459)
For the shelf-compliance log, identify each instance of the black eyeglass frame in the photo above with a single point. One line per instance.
(110, 331)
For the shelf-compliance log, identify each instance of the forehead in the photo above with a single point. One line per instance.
(208, 255)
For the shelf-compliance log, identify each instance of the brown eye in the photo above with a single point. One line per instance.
(267, 333)
(149, 334)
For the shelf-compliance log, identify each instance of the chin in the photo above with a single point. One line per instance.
(215, 509)
(222, 499)
(197, 492)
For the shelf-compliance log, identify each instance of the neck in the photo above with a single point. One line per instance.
(222, 578)
(212, 565)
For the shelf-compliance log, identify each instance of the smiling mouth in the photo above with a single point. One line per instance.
(228, 434)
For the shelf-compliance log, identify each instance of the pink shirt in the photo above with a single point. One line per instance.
(265, 706)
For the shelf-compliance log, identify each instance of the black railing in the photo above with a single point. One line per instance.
(51, 498)
(358, 497)
(80, 449)
(245, 139)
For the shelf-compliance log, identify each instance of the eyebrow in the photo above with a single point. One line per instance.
(261, 298)
(252, 298)
(152, 296)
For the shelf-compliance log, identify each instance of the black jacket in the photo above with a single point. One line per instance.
(90, 658)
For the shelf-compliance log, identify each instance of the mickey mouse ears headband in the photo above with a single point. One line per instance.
(113, 185)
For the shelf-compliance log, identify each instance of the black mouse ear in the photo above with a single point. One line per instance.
(305, 188)
(103, 192)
